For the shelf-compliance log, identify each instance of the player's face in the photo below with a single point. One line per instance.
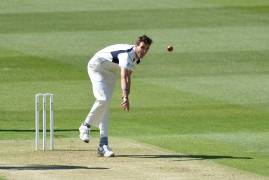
(141, 50)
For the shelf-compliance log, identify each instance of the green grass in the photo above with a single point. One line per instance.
(208, 99)
(67, 21)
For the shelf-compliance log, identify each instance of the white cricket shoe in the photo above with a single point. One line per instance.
(105, 151)
(84, 133)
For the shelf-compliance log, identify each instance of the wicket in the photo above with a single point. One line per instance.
(44, 96)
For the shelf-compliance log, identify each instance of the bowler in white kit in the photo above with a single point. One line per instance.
(103, 68)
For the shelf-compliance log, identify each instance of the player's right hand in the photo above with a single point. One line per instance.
(125, 104)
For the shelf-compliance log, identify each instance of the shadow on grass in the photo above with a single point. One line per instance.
(47, 167)
(33, 130)
(184, 157)
(75, 150)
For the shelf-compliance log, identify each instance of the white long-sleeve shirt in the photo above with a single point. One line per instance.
(121, 54)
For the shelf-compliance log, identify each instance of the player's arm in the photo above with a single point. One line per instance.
(125, 87)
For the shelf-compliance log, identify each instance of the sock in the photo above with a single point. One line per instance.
(86, 124)
(103, 141)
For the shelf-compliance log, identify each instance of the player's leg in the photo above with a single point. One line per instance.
(98, 109)
(104, 149)
(93, 118)
(103, 81)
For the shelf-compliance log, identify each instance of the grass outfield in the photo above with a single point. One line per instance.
(208, 98)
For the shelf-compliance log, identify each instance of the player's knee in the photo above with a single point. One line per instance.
(103, 102)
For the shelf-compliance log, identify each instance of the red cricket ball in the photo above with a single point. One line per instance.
(170, 48)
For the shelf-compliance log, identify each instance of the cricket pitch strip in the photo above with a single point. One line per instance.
(73, 159)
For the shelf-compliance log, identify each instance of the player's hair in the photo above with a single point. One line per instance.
(143, 38)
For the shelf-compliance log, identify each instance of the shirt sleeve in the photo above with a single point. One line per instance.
(126, 62)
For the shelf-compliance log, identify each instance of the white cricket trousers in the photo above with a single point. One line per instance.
(103, 75)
